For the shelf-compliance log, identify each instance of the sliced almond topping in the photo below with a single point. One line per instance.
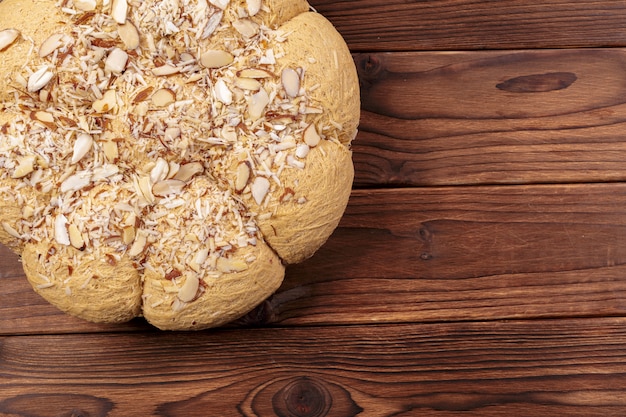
(128, 234)
(187, 58)
(60, 230)
(160, 170)
(45, 118)
(168, 187)
(107, 104)
(212, 24)
(116, 61)
(188, 171)
(246, 27)
(191, 237)
(302, 150)
(143, 94)
(248, 84)
(172, 133)
(223, 93)
(287, 195)
(111, 150)
(76, 182)
(189, 289)
(139, 244)
(28, 212)
(260, 187)
(119, 11)
(310, 136)
(165, 70)
(254, 73)
(76, 238)
(198, 259)
(82, 145)
(216, 58)
(143, 188)
(85, 5)
(174, 167)
(129, 34)
(229, 134)
(141, 109)
(257, 104)
(43, 162)
(51, 44)
(10, 230)
(163, 97)
(291, 82)
(312, 110)
(243, 176)
(39, 79)
(253, 6)
(222, 4)
(229, 265)
(7, 37)
(291, 161)
(26, 166)
(104, 171)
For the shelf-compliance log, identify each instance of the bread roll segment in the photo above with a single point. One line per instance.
(223, 297)
(330, 74)
(89, 286)
(76, 259)
(167, 158)
(219, 272)
(302, 223)
(35, 20)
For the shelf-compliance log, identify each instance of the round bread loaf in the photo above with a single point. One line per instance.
(168, 158)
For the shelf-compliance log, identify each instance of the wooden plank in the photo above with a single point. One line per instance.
(23, 311)
(564, 367)
(400, 25)
(491, 117)
(461, 253)
(431, 254)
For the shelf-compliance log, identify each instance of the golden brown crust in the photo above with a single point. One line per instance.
(312, 35)
(35, 20)
(93, 286)
(304, 220)
(168, 166)
(222, 270)
(11, 216)
(89, 277)
(223, 298)
(278, 12)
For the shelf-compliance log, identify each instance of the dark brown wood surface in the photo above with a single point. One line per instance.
(401, 25)
(528, 367)
(479, 270)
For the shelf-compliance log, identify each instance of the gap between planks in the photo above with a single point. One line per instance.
(440, 254)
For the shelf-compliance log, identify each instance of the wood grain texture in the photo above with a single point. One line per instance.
(23, 311)
(565, 367)
(399, 25)
(556, 116)
(430, 254)
(479, 269)
(470, 253)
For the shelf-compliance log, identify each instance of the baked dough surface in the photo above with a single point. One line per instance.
(167, 158)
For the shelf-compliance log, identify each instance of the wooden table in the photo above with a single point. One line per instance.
(480, 268)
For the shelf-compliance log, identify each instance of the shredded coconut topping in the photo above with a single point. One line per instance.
(145, 118)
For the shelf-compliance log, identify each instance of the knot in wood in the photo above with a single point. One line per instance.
(371, 69)
(538, 83)
(302, 397)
